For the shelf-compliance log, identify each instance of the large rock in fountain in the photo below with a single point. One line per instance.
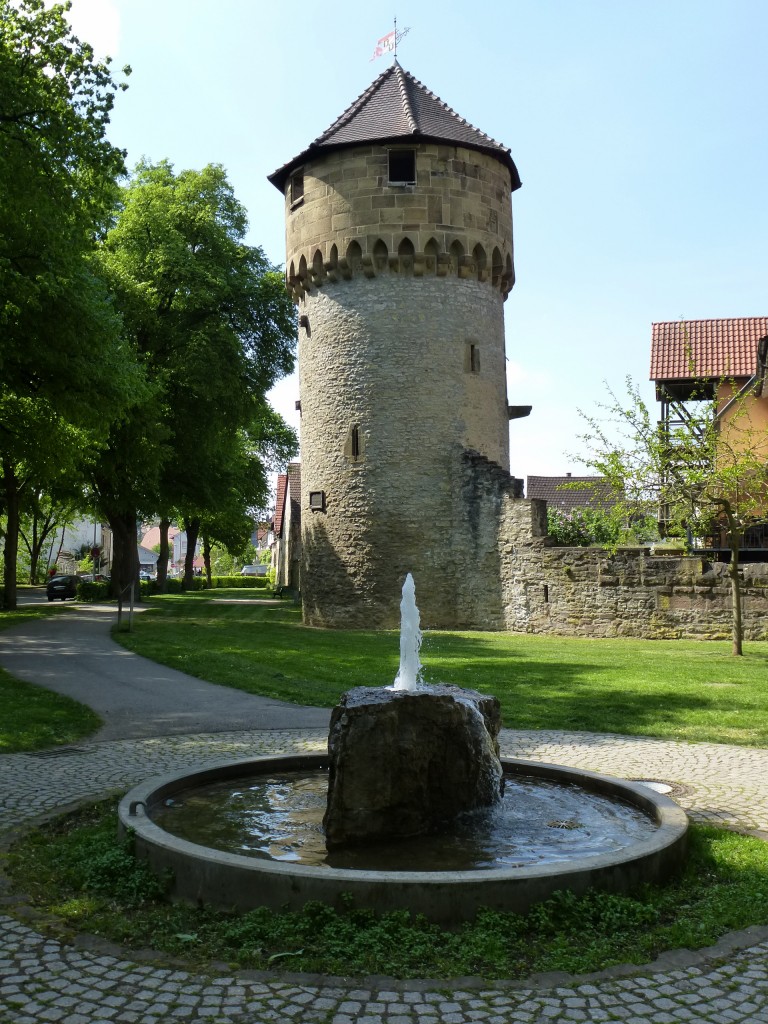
(406, 762)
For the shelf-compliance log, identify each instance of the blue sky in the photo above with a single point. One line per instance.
(638, 128)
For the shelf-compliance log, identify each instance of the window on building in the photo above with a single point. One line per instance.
(297, 187)
(402, 166)
(317, 501)
(354, 444)
(472, 358)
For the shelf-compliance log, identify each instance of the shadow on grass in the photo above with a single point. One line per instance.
(619, 686)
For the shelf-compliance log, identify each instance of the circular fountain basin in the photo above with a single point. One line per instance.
(228, 879)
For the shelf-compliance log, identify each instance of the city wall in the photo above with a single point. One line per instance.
(592, 593)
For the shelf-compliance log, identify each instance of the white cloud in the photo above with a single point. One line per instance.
(97, 22)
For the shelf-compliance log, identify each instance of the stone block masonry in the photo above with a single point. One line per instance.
(402, 371)
(593, 593)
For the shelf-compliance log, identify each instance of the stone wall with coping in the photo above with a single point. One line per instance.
(592, 593)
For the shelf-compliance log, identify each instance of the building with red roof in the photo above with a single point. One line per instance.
(724, 361)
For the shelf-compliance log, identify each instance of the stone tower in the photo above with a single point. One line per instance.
(399, 258)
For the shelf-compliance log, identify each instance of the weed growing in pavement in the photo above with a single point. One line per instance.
(77, 870)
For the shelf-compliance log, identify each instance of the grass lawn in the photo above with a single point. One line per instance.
(31, 717)
(679, 689)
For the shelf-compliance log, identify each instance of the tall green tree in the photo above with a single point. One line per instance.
(214, 327)
(63, 368)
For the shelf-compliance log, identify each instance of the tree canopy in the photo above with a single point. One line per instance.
(212, 323)
(64, 370)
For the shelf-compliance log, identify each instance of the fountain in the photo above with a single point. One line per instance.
(411, 808)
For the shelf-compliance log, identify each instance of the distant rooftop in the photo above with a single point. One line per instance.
(561, 492)
(687, 350)
(394, 108)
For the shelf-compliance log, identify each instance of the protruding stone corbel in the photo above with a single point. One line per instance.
(368, 268)
(331, 271)
(345, 269)
(443, 264)
(467, 267)
(419, 265)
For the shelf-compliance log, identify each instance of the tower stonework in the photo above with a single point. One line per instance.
(399, 258)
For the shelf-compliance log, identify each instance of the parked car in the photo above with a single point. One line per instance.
(62, 587)
(254, 570)
(145, 576)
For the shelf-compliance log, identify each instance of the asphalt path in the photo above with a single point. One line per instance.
(73, 653)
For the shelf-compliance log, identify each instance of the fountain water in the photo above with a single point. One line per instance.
(409, 676)
(404, 760)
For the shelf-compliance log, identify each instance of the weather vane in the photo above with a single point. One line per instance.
(388, 43)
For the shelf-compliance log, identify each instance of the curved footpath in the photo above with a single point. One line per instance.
(43, 980)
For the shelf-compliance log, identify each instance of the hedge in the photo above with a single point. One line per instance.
(88, 590)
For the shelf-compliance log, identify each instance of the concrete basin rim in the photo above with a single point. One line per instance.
(671, 821)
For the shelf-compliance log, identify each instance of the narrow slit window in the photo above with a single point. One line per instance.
(354, 444)
(546, 594)
(402, 166)
(473, 358)
(297, 188)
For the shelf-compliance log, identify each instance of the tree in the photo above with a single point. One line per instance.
(580, 527)
(215, 330)
(63, 371)
(47, 511)
(706, 473)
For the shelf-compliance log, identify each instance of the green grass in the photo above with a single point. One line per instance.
(76, 870)
(678, 689)
(31, 717)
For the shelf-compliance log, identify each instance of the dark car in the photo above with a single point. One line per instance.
(63, 587)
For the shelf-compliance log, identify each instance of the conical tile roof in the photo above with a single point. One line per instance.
(397, 107)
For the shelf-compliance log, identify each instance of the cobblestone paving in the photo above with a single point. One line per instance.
(43, 980)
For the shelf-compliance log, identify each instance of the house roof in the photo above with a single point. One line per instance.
(152, 537)
(294, 490)
(686, 350)
(281, 491)
(560, 492)
(397, 107)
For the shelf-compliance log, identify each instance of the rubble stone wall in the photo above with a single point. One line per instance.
(593, 593)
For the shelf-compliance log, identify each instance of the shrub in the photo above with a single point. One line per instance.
(89, 590)
(581, 527)
(254, 582)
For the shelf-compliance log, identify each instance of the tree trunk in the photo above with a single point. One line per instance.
(11, 549)
(733, 571)
(162, 558)
(41, 531)
(207, 559)
(192, 529)
(125, 554)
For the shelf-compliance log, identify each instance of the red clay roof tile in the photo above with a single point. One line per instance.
(706, 349)
(282, 489)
